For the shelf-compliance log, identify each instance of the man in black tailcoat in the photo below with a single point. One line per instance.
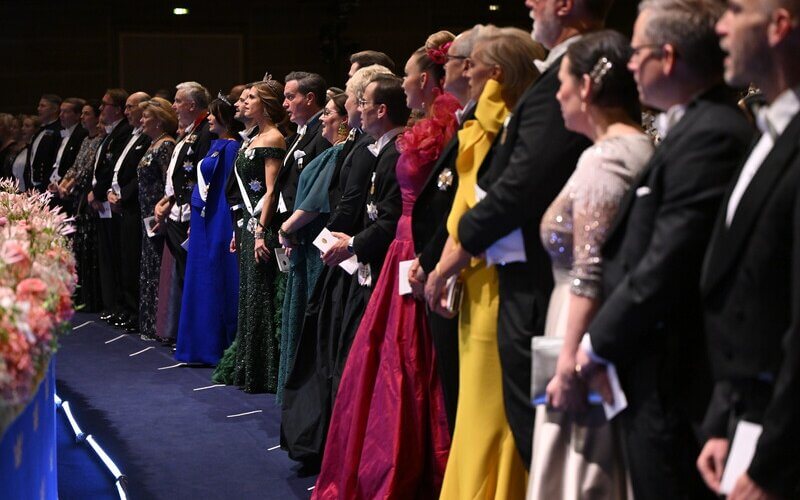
(751, 275)
(118, 132)
(123, 196)
(44, 145)
(650, 323)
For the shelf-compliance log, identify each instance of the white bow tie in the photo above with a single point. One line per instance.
(664, 122)
(64, 133)
(540, 65)
(373, 148)
(301, 131)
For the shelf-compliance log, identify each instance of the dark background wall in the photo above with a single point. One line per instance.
(81, 47)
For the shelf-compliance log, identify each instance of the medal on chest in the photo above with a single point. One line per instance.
(445, 179)
(372, 208)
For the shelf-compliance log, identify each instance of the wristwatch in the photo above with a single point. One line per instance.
(350, 245)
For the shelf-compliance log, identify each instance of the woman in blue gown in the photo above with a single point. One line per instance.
(209, 305)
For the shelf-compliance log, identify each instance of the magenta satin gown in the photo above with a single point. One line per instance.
(388, 436)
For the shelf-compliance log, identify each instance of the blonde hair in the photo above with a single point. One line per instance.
(162, 110)
(513, 50)
(361, 78)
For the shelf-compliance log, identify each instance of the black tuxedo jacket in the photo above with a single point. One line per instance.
(372, 242)
(750, 286)
(354, 177)
(312, 144)
(651, 317)
(127, 177)
(71, 149)
(41, 164)
(429, 215)
(109, 152)
(193, 149)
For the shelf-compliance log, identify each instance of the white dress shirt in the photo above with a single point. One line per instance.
(38, 139)
(772, 120)
(177, 212)
(556, 52)
(137, 132)
(65, 135)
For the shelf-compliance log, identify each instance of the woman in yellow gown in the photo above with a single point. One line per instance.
(484, 462)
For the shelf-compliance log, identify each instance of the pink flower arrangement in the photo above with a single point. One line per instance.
(37, 279)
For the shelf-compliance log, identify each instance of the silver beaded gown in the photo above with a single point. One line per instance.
(581, 458)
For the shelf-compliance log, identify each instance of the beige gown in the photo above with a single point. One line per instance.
(581, 458)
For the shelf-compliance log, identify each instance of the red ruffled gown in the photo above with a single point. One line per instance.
(388, 436)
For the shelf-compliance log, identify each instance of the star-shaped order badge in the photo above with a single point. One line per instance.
(445, 180)
(254, 185)
(250, 154)
(187, 165)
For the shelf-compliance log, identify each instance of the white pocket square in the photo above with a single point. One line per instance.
(299, 154)
(642, 191)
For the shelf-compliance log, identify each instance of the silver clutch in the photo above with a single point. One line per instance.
(544, 358)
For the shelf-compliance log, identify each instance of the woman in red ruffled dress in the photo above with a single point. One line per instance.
(388, 436)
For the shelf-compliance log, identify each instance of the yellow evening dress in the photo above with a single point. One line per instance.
(484, 462)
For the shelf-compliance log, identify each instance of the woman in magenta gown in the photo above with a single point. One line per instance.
(388, 436)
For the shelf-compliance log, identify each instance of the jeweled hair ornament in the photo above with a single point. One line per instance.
(599, 71)
(223, 98)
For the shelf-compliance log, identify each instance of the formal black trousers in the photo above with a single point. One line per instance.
(108, 231)
(444, 333)
(130, 252)
(176, 235)
(660, 442)
(521, 315)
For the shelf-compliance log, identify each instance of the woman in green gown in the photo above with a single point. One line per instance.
(252, 360)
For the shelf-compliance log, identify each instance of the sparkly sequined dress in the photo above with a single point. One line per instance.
(251, 362)
(582, 460)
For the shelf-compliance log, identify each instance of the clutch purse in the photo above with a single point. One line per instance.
(544, 358)
(454, 288)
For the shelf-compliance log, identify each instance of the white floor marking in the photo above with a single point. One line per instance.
(208, 387)
(114, 339)
(274, 447)
(82, 324)
(171, 366)
(245, 413)
(139, 352)
(309, 489)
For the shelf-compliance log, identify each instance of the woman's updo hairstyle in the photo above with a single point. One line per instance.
(432, 57)
(603, 56)
(270, 93)
(224, 112)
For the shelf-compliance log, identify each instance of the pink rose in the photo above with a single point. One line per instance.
(31, 289)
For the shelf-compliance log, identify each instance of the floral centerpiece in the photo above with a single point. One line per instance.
(37, 279)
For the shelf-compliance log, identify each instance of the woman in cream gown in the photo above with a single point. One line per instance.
(577, 453)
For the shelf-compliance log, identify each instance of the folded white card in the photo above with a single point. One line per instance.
(325, 240)
(282, 205)
(620, 400)
(105, 211)
(282, 259)
(149, 225)
(185, 244)
(403, 285)
(741, 454)
(510, 248)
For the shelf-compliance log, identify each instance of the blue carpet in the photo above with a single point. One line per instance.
(81, 473)
(170, 440)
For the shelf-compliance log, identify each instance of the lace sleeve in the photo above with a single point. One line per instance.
(599, 188)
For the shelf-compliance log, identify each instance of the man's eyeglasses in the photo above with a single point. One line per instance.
(363, 102)
(104, 103)
(450, 57)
